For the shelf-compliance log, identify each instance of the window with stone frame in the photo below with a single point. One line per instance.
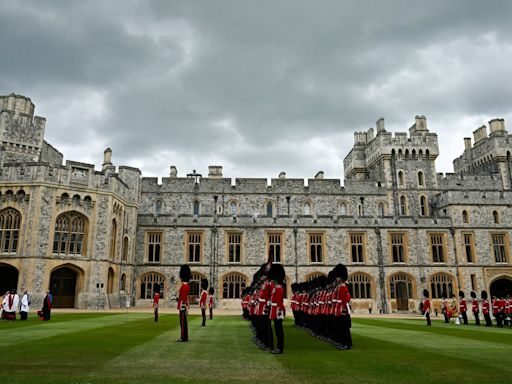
(469, 247)
(234, 247)
(437, 247)
(357, 246)
(113, 237)
(70, 234)
(147, 285)
(122, 282)
(360, 286)
(401, 179)
(196, 207)
(154, 247)
(269, 209)
(342, 209)
(465, 217)
(313, 276)
(232, 285)
(194, 246)
(125, 249)
(10, 220)
(421, 180)
(423, 206)
(275, 247)
(403, 205)
(233, 208)
(316, 246)
(441, 285)
(398, 244)
(496, 217)
(500, 247)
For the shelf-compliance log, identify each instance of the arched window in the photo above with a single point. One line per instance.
(307, 208)
(10, 220)
(233, 208)
(496, 217)
(125, 249)
(122, 283)
(195, 285)
(147, 285)
(441, 285)
(399, 282)
(420, 179)
(269, 209)
(381, 209)
(343, 211)
(400, 178)
(113, 237)
(423, 206)
(232, 285)
(159, 205)
(313, 275)
(403, 205)
(196, 207)
(70, 234)
(465, 217)
(360, 286)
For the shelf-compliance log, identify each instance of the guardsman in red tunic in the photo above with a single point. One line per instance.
(156, 299)
(475, 308)
(486, 309)
(463, 307)
(508, 310)
(344, 338)
(495, 310)
(425, 307)
(277, 309)
(202, 300)
(183, 304)
(502, 304)
(211, 301)
(445, 309)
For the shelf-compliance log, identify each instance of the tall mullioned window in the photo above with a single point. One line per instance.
(154, 247)
(499, 247)
(147, 285)
(10, 220)
(234, 247)
(469, 247)
(357, 247)
(113, 236)
(275, 247)
(70, 233)
(441, 285)
(437, 248)
(316, 247)
(398, 244)
(423, 206)
(194, 247)
(360, 286)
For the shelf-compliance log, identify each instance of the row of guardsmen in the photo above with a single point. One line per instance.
(500, 308)
(320, 306)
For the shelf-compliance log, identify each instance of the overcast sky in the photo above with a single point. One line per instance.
(258, 87)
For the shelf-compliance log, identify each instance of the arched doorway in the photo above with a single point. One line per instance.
(195, 287)
(501, 287)
(8, 278)
(63, 287)
(401, 289)
(110, 281)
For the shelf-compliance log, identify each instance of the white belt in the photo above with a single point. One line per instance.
(262, 300)
(274, 304)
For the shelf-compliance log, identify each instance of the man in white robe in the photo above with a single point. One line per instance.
(10, 305)
(25, 305)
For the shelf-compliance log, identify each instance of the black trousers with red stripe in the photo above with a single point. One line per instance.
(183, 325)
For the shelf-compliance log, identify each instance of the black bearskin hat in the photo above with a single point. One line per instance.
(425, 292)
(277, 273)
(340, 271)
(322, 281)
(295, 287)
(185, 273)
(204, 284)
(156, 288)
(484, 295)
(473, 294)
(211, 290)
(461, 294)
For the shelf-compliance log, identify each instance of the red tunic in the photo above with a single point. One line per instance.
(277, 310)
(485, 307)
(202, 300)
(211, 302)
(463, 306)
(156, 299)
(474, 306)
(426, 305)
(495, 307)
(343, 298)
(183, 296)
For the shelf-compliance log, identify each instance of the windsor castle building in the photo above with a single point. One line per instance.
(101, 238)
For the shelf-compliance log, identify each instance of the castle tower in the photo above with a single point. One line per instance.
(21, 133)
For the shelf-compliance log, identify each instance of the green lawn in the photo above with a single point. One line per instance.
(113, 348)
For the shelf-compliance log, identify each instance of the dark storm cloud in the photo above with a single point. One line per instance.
(258, 87)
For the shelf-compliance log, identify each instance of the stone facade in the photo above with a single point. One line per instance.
(398, 225)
